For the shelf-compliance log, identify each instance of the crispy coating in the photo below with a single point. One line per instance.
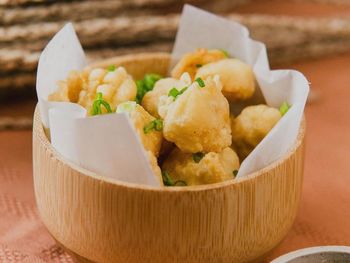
(212, 168)
(190, 62)
(197, 120)
(69, 89)
(251, 126)
(237, 78)
(116, 87)
(93, 78)
(162, 87)
(152, 140)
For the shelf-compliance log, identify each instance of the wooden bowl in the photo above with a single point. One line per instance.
(104, 220)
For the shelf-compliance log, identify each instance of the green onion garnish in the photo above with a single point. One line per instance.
(168, 181)
(150, 80)
(225, 52)
(111, 68)
(183, 90)
(140, 91)
(197, 157)
(145, 85)
(200, 82)
(158, 124)
(96, 106)
(198, 65)
(235, 172)
(155, 125)
(174, 92)
(284, 108)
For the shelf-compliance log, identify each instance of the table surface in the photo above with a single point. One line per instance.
(323, 217)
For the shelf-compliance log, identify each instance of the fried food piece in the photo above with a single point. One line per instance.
(69, 89)
(198, 120)
(151, 139)
(91, 79)
(190, 62)
(115, 84)
(251, 126)
(237, 77)
(162, 87)
(211, 168)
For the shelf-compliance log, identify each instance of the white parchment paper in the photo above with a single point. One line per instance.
(107, 144)
(201, 29)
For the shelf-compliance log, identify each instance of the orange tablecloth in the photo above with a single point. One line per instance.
(324, 213)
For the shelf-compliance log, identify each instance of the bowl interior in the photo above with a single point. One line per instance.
(138, 65)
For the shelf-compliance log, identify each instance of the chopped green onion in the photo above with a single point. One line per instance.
(156, 125)
(168, 181)
(96, 105)
(284, 108)
(148, 127)
(140, 91)
(174, 92)
(145, 85)
(198, 65)
(225, 52)
(235, 172)
(183, 90)
(197, 157)
(111, 68)
(200, 82)
(150, 79)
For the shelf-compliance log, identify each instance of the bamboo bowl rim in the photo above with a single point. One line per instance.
(38, 130)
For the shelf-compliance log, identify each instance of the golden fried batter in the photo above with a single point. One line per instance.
(212, 168)
(69, 89)
(162, 87)
(197, 120)
(115, 85)
(190, 62)
(237, 77)
(251, 126)
(151, 140)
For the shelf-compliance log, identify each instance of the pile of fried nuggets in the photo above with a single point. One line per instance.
(184, 121)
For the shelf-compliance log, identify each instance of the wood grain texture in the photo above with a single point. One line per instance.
(83, 10)
(287, 39)
(105, 220)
